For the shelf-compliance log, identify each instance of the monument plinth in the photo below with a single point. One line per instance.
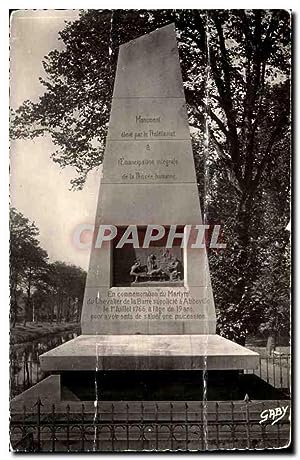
(148, 308)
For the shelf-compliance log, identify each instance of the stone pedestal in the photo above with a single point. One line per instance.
(148, 352)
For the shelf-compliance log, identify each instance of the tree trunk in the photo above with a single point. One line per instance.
(14, 302)
(271, 344)
(52, 306)
(59, 308)
(28, 305)
(78, 312)
(79, 303)
(13, 313)
(68, 310)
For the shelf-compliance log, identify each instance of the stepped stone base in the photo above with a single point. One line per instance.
(148, 352)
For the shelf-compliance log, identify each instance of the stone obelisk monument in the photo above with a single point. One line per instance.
(148, 308)
(148, 178)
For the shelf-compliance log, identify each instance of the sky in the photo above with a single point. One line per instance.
(39, 188)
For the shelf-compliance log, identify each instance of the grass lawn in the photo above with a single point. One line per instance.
(33, 331)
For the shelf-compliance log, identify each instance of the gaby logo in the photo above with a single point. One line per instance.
(273, 414)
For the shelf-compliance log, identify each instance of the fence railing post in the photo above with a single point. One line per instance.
(37, 370)
(156, 426)
(30, 373)
(278, 428)
(274, 373)
(68, 426)
(112, 428)
(280, 371)
(38, 423)
(82, 428)
(171, 426)
(186, 427)
(260, 366)
(24, 431)
(217, 425)
(288, 363)
(24, 380)
(202, 425)
(263, 428)
(248, 423)
(142, 426)
(97, 421)
(53, 428)
(232, 425)
(127, 426)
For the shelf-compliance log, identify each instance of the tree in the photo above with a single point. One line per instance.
(67, 286)
(270, 294)
(27, 261)
(36, 265)
(236, 71)
(46, 286)
(267, 275)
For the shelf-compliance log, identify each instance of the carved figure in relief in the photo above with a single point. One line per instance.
(136, 269)
(168, 269)
(175, 270)
(152, 266)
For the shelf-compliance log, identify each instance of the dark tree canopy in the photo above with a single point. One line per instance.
(235, 68)
(236, 74)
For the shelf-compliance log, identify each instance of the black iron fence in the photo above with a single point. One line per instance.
(152, 426)
(275, 371)
(24, 374)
